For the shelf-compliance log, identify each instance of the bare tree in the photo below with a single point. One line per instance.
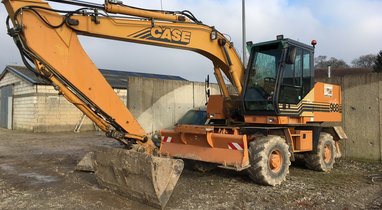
(322, 62)
(364, 61)
(378, 62)
(319, 61)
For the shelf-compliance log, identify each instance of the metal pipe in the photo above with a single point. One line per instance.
(244, 35)
(329, 71)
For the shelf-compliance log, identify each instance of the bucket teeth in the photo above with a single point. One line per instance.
(142, 177)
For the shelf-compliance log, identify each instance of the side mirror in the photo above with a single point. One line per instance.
(249, 46)
(291, 55)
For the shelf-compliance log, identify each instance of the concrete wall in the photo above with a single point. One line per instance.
(160, 103)
(362, 118)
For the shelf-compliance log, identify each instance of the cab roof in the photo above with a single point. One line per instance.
(285, 43)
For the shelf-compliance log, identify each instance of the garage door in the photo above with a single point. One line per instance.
(6, 107)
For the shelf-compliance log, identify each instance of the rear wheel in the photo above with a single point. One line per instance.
(269, 158)
(323, 158)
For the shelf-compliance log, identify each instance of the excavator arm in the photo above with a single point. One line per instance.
(49, 38)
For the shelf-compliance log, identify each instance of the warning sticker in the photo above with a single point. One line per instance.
(328, 90)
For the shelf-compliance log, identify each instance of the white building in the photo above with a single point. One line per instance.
(29, 102)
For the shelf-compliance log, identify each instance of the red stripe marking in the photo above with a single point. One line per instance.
(235, 147)
(165, 139)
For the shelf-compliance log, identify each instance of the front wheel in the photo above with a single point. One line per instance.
(270, 160)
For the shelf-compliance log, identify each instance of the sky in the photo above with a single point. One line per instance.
(345, 29)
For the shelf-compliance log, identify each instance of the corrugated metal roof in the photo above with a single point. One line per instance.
(25, 74)
(117, 79)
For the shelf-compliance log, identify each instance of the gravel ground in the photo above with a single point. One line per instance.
(37, 172)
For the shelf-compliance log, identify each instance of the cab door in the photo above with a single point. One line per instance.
(297, 78)
(6, 106)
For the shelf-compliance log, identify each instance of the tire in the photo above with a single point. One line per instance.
(324, 158)
(270, 160)
(203, 167)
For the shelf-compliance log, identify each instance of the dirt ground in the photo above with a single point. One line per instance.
(37, 172)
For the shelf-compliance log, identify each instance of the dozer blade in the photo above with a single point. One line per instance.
(142, 177)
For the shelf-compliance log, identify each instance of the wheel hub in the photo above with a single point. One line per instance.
(275, 161)
(327, 153)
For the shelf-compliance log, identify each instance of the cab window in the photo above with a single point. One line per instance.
(291, 89)
(297, 78)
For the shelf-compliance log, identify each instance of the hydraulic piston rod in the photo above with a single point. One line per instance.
(79, 3)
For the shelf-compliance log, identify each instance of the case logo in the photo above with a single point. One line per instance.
(168, 35)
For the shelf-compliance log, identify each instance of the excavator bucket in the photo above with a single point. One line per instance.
(142, 177)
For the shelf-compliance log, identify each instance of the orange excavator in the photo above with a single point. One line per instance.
(276, 112)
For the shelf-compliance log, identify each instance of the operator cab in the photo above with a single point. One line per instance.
(279, 74)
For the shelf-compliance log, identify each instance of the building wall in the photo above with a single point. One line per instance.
(54, 113)
(24, 101)
(362, 117)
(39, 108)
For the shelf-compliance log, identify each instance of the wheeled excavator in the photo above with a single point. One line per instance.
(276, 113)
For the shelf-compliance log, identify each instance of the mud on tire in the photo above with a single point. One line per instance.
(324, 158)
(270, 160)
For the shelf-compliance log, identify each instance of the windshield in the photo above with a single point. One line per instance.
(193, 117)
(262, 77)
